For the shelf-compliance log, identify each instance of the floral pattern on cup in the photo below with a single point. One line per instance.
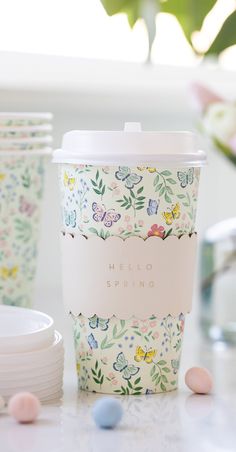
(21, 189)
(127, 201)
(128, 356)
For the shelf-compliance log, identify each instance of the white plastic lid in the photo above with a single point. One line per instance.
(129, 147)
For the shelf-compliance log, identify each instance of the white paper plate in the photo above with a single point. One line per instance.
(39, 383)
(45, 391)
(40, 357)
(53, 398)
(33, 368)
(24, 330)
(12, 378)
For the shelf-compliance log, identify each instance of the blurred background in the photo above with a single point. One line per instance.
(96, 64)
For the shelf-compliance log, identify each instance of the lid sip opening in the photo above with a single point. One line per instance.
(131, 146)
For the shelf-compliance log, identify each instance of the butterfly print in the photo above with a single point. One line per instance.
(92, 341)
(121, 365)
(185, 177)
(131, 179)
(97, 322)
(107, 217)
(152, 208)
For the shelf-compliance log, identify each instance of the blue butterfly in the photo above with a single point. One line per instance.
(70, 218)
(121, 365)
(97, 322)
(185, 177)
(92, 341)
(175, 365)
(131, 179)
(153, 205)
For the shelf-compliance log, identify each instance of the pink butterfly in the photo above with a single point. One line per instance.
(26, 207)
(108, 217)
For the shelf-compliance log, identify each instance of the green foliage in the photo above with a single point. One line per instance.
(226, 36)
(189, 13)
(131, 388)
(162, 184)
(134, 201)
(98, 377)
(98, 185)
(117, 333)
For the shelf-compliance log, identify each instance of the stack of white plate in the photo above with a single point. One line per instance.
(31, 354)
(25, 131)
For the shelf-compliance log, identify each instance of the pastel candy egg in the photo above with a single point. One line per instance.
(24, 407)
(2, 403)
(107, 412)
(199, 380)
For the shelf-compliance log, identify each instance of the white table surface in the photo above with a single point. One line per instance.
(174, 422)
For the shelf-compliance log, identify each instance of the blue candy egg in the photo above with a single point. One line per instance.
(107, 412)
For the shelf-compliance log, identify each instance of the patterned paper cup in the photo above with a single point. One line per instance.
(16, 133)
(24, 119)
(21, 190)
(156, 199)
(22, 144)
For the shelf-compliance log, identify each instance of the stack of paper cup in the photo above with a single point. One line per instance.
(31, 354)
(25, 140)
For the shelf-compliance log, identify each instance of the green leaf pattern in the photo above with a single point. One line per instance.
(95, 363)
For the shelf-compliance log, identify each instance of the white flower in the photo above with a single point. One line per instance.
(220, 121)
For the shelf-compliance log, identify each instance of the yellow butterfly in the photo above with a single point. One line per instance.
(2, 177)
(69, 181)
(174, 214)
(149, 168)
(6, 273)
(142, 355)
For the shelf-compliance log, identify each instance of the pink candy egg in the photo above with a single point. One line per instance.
(24, 407)
(199, 380)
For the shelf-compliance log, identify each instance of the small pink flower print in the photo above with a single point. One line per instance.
(129, 227)
(135, 323)
(140, 223)
(157, 231)
(127, 218)
(156, 335)
(104, 360)
(114, 382)
(113, 185)
(111, 375)
(181, 326)
(152, 324)
(106, 169)
(117, 191)
(144, 329)
(120, 230)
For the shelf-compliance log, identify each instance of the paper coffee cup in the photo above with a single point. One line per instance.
(21, 191)
(128, 184)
